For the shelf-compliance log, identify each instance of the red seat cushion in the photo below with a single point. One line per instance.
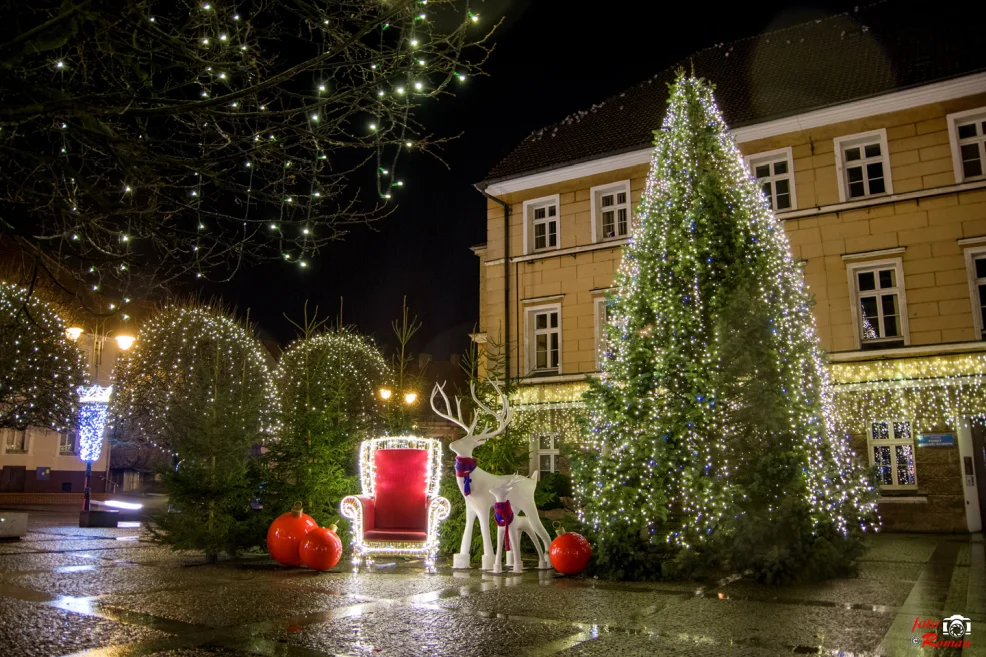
(400, 499)
(409, 535)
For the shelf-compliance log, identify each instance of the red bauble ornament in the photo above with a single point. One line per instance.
(569, 552)
(285, 535)
(321, 548)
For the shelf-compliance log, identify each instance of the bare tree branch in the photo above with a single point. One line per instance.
(144, 143)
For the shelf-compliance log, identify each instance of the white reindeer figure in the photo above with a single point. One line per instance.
(513, 528)
(476, 484)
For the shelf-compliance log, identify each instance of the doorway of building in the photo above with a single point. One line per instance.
(12, 478)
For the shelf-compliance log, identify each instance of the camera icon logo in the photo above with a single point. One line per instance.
(956, 627)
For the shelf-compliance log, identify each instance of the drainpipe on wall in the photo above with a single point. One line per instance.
(506, 281)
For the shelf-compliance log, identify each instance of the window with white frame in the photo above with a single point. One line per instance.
(863, 164)
(544, 339)
(967, 131)
(611, 211)
(545, 452)
(975, 262)
(774, 172)
(15, 441)
(67, 442)
(878, 304)
(891, 447)
(542, 231)
(602, 318)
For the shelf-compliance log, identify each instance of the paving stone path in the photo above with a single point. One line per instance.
(113, 593)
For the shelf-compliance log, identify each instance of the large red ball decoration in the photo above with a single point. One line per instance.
(569, 552)
(285, 535)
(321, 549)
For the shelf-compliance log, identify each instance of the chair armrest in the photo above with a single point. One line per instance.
(359, 510)
(438, 510)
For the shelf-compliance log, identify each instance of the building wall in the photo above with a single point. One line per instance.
(42, 452)
(937, 292)
(938, 504)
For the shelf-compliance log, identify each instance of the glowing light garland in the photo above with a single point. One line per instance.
(945, 388)
(187, 360)
(93, 413)
(392, 66)
(438, 507)
(307, 381)
(657, 415)
(41, 367)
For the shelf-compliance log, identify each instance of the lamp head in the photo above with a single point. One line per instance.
(124, 342)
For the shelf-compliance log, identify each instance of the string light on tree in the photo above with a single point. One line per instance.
(712, 426)
(42, 363)
(196, 384)
(323, 404)
(416, 49)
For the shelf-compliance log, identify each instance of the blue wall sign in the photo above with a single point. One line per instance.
(42, 473)
(936, 440)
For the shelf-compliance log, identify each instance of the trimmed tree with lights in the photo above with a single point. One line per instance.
(711, 441)
(325, 388)
(39, 368)
(196, 383)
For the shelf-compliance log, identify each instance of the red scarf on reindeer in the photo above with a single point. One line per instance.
(504, 515)
(463, 468)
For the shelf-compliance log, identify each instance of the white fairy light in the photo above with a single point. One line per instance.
(93, 414)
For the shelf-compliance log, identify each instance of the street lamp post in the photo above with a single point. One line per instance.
(93, 407)
(93, 402)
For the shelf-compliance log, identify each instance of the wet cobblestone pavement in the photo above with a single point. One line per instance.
(113, 593)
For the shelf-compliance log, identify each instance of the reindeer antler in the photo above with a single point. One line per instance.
(502, 416)
(447, 415)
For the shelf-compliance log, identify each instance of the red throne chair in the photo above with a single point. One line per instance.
(400, 509)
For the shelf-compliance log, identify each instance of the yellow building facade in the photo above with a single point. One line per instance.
(883, 199)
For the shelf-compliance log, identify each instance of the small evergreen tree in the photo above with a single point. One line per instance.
(710, 435)
(400, 414)
(197, 383)
(325, 403)
(39, 369)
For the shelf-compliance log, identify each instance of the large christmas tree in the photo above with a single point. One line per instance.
(711, 442)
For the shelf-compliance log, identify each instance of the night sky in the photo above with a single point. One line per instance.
(550, 60)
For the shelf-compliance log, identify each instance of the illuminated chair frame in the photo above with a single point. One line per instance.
(414, 539)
